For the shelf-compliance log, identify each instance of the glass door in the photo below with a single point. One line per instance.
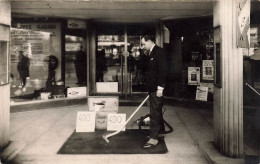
(75, 61)
(137, 61)
(110, 63)
(120, 60)
(136, 64)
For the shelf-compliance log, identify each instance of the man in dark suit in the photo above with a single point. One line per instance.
(155, 82)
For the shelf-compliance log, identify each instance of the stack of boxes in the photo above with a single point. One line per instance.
(102, 105)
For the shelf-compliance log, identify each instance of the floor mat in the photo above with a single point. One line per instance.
(128, 142)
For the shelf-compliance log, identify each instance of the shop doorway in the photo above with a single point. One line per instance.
(75, 61)
(75, 58)
(120, 60)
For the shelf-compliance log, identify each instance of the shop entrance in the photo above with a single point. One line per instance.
(75, 58)
(120, 59)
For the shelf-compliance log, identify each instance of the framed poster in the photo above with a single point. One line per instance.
(193, 75)
(208, 70)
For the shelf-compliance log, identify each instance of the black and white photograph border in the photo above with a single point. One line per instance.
(73, 50)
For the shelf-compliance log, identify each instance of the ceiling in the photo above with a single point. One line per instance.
(116, 10)
(112, 10)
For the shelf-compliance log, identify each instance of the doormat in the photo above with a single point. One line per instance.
(127, 142)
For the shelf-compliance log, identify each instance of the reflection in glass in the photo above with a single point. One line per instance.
(110, 59)
(29, 51)
(3, 62)
(137, 64)
(75, 62)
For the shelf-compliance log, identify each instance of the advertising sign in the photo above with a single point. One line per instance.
(193, 75)
(115, 121)
(86, 122)
(209, 85)
(202, 93)
(103, 103)
(208, 70)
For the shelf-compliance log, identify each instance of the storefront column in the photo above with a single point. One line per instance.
(91, 58)
(228, 90)
(5, 22)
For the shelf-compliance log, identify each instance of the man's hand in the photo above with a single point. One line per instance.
(159, 93)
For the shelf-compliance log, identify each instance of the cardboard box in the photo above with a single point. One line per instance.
(101, 120)
(111, 87)
(76, 91)
(103, 103)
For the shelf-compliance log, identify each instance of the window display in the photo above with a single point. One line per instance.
(75, 61)
(4, 62)
(110, 61)
(30, 51)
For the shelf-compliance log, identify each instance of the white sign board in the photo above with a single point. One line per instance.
(72, 47)
(115, 121)
(103, 103)
(209, 85)
(208, 67)
(85, 121)
(76, 91)
(107, 86)
(202, 93)
(193, 75)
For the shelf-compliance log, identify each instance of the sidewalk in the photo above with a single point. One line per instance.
(39, 134)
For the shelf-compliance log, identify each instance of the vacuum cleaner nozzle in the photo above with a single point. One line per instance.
(105, 138)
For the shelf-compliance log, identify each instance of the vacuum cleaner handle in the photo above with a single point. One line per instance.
(118, 131)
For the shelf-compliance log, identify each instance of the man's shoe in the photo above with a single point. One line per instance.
(150, 144)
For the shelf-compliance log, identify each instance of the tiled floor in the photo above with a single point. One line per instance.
(44, 132)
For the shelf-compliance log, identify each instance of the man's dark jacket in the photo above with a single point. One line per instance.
(157, 69)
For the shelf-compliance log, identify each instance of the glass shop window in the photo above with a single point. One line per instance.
(3, 62)
(31, 64)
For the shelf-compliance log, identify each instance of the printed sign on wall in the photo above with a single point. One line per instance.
(202, 93)
(208, 68)
(194, 75)
(209, 85)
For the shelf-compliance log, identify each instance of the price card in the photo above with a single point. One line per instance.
(115, 121)
(86, 122)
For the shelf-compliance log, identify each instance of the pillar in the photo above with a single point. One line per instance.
(91, 57)
(5, 22)
(228, 90)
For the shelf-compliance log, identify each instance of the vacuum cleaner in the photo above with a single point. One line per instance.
(119, 130)
(143, 121)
